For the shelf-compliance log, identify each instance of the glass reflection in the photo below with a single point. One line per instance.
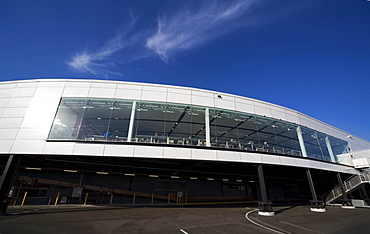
(164, 123)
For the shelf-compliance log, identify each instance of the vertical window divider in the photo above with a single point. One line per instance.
(132, 119)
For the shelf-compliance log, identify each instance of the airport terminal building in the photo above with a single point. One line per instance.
(113, 142)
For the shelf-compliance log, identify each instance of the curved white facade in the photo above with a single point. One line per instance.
(28, 109)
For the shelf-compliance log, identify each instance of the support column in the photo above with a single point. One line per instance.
(328, 145)
(265, 207)
(7, 180)
(346, 203)
(132, 120)
(208, 128)
(316, 205)
(364, 195)
(301, 141)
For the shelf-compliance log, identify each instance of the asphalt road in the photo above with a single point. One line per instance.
(191, 220)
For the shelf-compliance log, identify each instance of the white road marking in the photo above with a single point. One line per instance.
(260, 225)
(307, 229)
(183, 231)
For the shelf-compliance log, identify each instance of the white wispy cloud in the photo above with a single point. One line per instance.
(184, 29)
(103, 59)
(189, 28)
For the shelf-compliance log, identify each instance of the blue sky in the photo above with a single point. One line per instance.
(312, 56)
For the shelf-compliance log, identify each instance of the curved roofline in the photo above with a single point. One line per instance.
(177, 86)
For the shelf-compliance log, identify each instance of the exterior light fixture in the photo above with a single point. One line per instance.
(175, 177)
(129, 174)
(210, 179)
(193, 178)
(34, 168)
(225, 179)
(102, 173)
(239, 181)
(153, 175)
(251, 181)
(69, 171)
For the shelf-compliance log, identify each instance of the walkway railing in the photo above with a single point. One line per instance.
(349, 185)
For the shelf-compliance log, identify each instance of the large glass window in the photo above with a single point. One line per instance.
(167, 123)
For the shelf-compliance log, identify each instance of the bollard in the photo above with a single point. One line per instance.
(24, 198)
(111, 199)
(152, 198)
(87, 195)
(57, 199)
(133, 200)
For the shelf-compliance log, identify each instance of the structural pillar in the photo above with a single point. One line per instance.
(301, 141)
(316, 205)
(265, 207)
(331, 153)
(208, 128)
(132, 119)
(7, 180)
(346, 203)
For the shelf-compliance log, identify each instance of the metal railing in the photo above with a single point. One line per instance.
(350, 184)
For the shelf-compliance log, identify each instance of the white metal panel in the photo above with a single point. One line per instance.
(5, 146)
(179, 91)
(48, 92)
(278, 113)
(204, 154)
(14, 112)
(27, 84)
(315, 164)
(76, 92)
(228, 155)
(119, 150)
(204, 93)
(78, 84)
(103, 85)
(24, 92)
(251, 157)
(10, 122)
(1, 112)
(262, 109)
(292, 117)
(226, 102)
(62, 148)
(288, 161)
(148, 151)
(33, 134)
(179, 98)
(246, 106)
(154, 96)
(325, 166)
(7, 86)
(128, 94)
(271, 159)
(6, 92)
(8, 134)
(130, 86)
(177, 153)
(102, 92)
(202, 101)
(4, 102)
(301, 162)
(88, 149)
(28, 146)
(19, 102)
(303, 120)
(52, 83)
(156, 88)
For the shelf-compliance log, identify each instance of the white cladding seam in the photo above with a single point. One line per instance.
(27, 109)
